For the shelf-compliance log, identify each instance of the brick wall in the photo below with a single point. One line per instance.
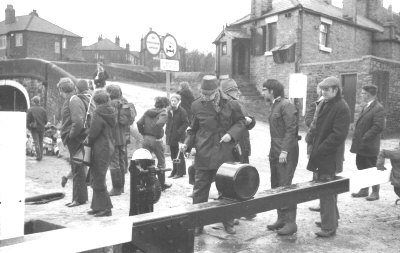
(364, 67)
(42, 45)
(115, 56)
(346, 42)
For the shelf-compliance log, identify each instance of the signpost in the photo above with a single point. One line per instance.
(170, 49)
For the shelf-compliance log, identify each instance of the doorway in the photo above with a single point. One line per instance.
(349, 82)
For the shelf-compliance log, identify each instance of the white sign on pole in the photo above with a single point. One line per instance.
(170, 45)
(153, 43)
(169, 65)
(298, 88)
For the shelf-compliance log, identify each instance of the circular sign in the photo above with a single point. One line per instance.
(153, 43)
(170, 45)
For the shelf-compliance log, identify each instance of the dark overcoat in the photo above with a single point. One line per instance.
(332, 127)
(368, 129)
(207, 128)
(177, 124)
(101, 139)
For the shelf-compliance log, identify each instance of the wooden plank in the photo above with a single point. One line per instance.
(113, 231)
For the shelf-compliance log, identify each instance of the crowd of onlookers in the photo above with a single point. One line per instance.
(215, 128)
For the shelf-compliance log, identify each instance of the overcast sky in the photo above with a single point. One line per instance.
(194, 23)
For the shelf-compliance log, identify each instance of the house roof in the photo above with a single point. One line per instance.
(316, 6)
(104, 44)
(233, 33)
(35, 24)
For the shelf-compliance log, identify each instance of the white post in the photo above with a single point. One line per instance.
(168, 75)
(12, 173)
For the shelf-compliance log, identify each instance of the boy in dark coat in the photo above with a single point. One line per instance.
(175, 132)
(150, 125)
(101, 139)
(332, 126)
(36, 119)
(73, 134)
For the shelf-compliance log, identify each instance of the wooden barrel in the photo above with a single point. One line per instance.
(237, 181)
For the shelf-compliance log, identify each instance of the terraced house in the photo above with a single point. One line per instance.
(32, 36)
(359, 44)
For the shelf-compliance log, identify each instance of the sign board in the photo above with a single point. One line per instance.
(153, 43)
(170, 46)
(170, 65)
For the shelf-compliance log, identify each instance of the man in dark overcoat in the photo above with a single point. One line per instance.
(284, 150)
(332, 126)
(38, 115)
(367, 136)
(175, 133)
(218, 122)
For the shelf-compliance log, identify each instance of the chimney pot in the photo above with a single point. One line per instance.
(10, 14)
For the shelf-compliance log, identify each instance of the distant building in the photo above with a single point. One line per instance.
(32, 36)
(359, 44)
(104, 50)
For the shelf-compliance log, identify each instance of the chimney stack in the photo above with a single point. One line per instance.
(34, 13)
(10, 15)
(117, 40)
(266, 6)
(127, 47)
(100, 38)
(350, 10)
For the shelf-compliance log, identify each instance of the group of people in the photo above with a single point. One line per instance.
(216, 126)
(100, 119)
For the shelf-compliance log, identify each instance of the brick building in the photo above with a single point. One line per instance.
(359, 44)
(32, 36)
(106, 51)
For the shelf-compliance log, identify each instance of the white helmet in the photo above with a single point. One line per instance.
(141, 154)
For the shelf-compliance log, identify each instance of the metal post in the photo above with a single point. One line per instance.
(168, 75)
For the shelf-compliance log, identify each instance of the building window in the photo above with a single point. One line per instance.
(3, 42)
(57, 47)
(64, 43)
(224, 48)
(19, 40)
(324, 35)
(271, 36)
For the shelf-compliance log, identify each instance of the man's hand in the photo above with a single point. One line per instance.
(182, 147)
(283, 157)
(248, 120)
(226, 138)
(380, 163)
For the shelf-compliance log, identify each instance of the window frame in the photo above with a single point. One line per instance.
(3, 41)
(267, 28)
(57, 47)
(19, 39)
(224, 48)
(324, 35)
(64, 43)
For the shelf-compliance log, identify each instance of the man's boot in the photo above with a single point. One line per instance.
(116, 181)
(374, 194)
(279, 223)
(229, 227)
(290, 226)
(361, 194)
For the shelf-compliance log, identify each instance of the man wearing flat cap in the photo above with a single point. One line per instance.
(218, 122)
(367, 136)
(73, 114)
(331, 128)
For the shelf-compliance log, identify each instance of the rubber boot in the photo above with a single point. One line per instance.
(116, 180)
(361, 194)
(290, 226)
(279, 223)
(374, 194)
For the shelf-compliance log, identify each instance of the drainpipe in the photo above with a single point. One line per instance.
(300, 39)
(46, 83)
